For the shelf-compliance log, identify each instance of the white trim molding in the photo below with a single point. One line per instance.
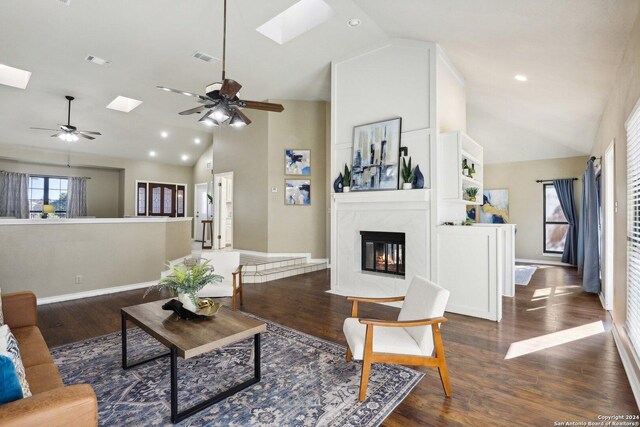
(541, 261)
(94, 293)
(628, 363)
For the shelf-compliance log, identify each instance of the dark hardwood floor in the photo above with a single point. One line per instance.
(573, 381)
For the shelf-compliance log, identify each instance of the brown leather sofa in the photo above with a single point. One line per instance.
(52, 404)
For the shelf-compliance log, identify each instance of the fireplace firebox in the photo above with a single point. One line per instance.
(383, 252)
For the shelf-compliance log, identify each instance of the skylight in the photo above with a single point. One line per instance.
(14, 77)
(296, 20)
(124, 104)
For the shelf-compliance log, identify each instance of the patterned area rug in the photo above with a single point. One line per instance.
(305, 382)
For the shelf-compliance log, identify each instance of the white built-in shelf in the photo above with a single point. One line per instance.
(453, 149)
(471, 181)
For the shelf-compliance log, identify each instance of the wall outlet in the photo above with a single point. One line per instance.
(79, 279)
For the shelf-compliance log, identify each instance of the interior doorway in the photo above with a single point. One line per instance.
(223, 210)
(608, 208)
(201, 209)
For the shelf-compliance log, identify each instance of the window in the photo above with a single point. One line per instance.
(555, 223)
(47, 190)
(633, 228)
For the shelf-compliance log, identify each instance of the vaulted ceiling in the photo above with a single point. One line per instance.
(570, 51)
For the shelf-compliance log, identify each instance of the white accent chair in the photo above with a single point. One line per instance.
(226, 264)
(407, 341)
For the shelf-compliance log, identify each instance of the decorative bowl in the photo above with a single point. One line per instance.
(208, 307)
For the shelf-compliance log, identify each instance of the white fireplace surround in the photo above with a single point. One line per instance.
(400, 211)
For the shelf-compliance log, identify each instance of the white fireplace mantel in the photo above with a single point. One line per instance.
(402, 211)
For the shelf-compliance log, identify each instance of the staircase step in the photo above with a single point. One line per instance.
(276, 263)
(281, 272)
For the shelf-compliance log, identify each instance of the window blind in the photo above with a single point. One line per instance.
(633, 228)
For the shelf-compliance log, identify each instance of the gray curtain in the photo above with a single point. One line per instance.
(564, 188)
(14, 194)
(77, 197)
(588, 243)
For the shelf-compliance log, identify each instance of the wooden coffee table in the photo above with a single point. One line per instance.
(190, 338)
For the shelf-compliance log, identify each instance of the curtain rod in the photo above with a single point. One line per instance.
(551, 180)
(50, 176)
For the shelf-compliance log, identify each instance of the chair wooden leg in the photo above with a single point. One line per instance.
(442, 364)
(366, 363)
(349, 355)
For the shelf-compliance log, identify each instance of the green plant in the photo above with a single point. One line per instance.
(210, 197)
(407, 172)
(471, 192)
(346, 177)
(187, 280)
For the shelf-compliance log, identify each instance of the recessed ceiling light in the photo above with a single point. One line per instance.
(521, 77)
(354, 22)
(164, 134)
(97, 60)
(185, 157)
(296, 20)
(152, 153)
(197, 140)
(14, 77)
(124, 104)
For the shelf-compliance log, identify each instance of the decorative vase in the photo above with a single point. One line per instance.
(407, 186)
(337, 184)
(418, 179)
(472, 198)
(346, 189)
(187, 303)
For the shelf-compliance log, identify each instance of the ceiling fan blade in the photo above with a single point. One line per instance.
(230, 88)
(84, 136)
(57, 134)
(55, 130)
(265, 106)
(89, 132)
(247, 120)
(192, 110)
(195, 95)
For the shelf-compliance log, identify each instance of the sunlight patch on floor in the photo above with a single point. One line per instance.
(532, 345)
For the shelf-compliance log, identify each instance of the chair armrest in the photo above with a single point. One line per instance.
(20, 309)
(364, 299)
(356, 300)
(403, 323)
(238, 270)
(74, 405)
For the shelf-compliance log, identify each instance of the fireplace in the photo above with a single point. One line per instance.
(383, 252)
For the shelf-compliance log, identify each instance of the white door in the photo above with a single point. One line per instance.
(608, 208)
(223, 208)
(200, 209)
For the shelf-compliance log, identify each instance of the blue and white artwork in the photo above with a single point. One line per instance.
(495, 207)
(297, 192)
(297, 162)
(376, 155)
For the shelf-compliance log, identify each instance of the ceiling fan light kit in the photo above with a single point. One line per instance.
(70, 133)
(222, 99)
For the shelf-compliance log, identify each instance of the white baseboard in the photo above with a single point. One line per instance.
(627, 363)
(537, 261)
(94, 293)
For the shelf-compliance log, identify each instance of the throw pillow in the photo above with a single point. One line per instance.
(9, 347)
(10, 388)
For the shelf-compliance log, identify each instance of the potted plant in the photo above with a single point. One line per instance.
(187, 281)
(346, 179)
(471, 193)
(407, 175)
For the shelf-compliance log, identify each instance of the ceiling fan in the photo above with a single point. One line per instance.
(221, 98)
(70, 133)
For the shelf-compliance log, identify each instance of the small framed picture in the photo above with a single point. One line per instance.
(297, 192)
(297, 162)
